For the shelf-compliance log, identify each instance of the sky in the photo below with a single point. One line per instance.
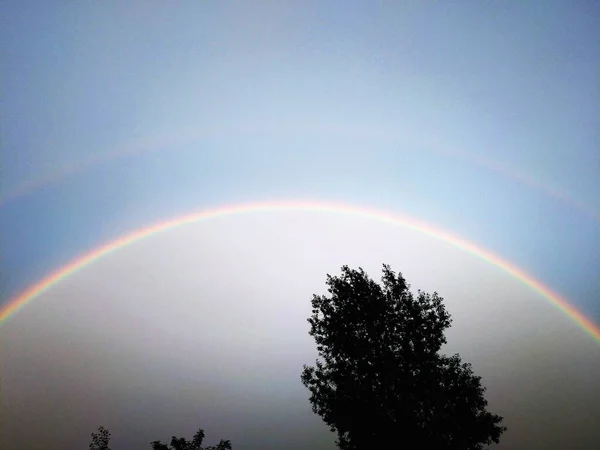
(480, 119)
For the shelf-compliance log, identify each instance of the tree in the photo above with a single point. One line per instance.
(380, 381)
(100, 442)
(100, 439)
(194, 444)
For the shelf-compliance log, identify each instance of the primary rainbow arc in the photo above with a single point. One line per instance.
(15, 304)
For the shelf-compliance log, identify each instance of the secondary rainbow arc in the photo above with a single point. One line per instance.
(19, 301)
(186, 135)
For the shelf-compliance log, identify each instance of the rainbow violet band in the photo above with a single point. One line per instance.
(15, 304)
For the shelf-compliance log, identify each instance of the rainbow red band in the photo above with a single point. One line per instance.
(18, 302)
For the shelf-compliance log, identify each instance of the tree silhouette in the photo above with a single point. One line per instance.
(100, 442)
(194, 444)
(380, 382)
(100, 439)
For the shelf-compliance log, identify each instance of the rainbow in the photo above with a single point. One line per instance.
(15, 304)
(156, 143)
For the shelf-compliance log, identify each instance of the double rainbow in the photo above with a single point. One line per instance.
(15, 304)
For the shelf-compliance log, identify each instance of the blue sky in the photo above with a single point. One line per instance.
(514, 84)
(166, 108)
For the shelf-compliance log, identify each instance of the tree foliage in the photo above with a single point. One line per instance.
(194, 444)
(380, 381)
(101, 439)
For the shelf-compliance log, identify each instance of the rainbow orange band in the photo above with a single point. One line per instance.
(18, 302)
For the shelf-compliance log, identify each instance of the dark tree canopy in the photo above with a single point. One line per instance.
(380, 381)
(101, 439)
(194, 444)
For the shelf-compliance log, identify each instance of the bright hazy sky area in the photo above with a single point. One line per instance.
(479, 118)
